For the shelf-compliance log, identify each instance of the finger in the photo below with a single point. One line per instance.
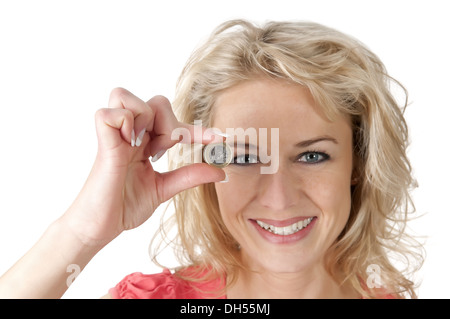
(164, 123)
(186, 134)
(187, 177)
(113, 127)
(168, 130)
(121, 98)
(164, 118)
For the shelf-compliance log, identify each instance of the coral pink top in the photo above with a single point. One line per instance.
(164, 285)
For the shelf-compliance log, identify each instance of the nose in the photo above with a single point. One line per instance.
(278, 191)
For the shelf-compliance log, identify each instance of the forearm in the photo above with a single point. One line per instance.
(43, 271)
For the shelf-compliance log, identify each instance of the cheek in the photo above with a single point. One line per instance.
(230, 196)
(235, 195)
(333, 196)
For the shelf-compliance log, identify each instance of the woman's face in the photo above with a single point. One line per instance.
(284, 221)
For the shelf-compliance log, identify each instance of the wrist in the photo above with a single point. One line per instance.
(49, 267)
(71, 245)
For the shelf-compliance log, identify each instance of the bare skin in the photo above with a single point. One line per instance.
(121, 192)
(306, 184)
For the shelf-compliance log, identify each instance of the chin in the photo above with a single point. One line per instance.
(282, 262)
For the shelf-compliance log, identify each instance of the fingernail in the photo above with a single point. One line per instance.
(140, 137)
(225, 180)
(158, 155)
(133, 137)
(221, 134)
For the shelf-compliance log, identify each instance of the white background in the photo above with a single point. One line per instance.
(60, 59)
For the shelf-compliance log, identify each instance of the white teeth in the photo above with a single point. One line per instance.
(287, 230)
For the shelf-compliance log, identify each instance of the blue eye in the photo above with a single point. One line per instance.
(313, 157)
(245, 159)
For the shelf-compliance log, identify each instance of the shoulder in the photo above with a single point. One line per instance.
(164, 285)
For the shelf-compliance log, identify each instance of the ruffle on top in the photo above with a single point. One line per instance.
(164, 285)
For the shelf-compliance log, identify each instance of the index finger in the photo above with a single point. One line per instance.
(168, 131)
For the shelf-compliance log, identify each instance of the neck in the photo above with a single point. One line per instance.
(310, 284)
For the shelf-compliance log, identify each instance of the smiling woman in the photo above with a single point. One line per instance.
(308, 187)
(343, 172)
(308, 198)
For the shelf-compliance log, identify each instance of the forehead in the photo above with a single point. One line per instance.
(274, 103)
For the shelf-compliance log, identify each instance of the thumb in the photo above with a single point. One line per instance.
(187, 177)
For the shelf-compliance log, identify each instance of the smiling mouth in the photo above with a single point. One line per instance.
(286, 230)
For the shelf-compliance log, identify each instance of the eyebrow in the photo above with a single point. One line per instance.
(246, 145)
(310, 142)
(302, 144)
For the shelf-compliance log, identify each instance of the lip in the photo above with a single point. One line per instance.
(284, 222)
(284, 239)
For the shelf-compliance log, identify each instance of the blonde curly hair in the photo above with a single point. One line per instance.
(344, 77)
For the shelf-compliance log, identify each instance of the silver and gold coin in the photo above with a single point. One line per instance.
(217, 154)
